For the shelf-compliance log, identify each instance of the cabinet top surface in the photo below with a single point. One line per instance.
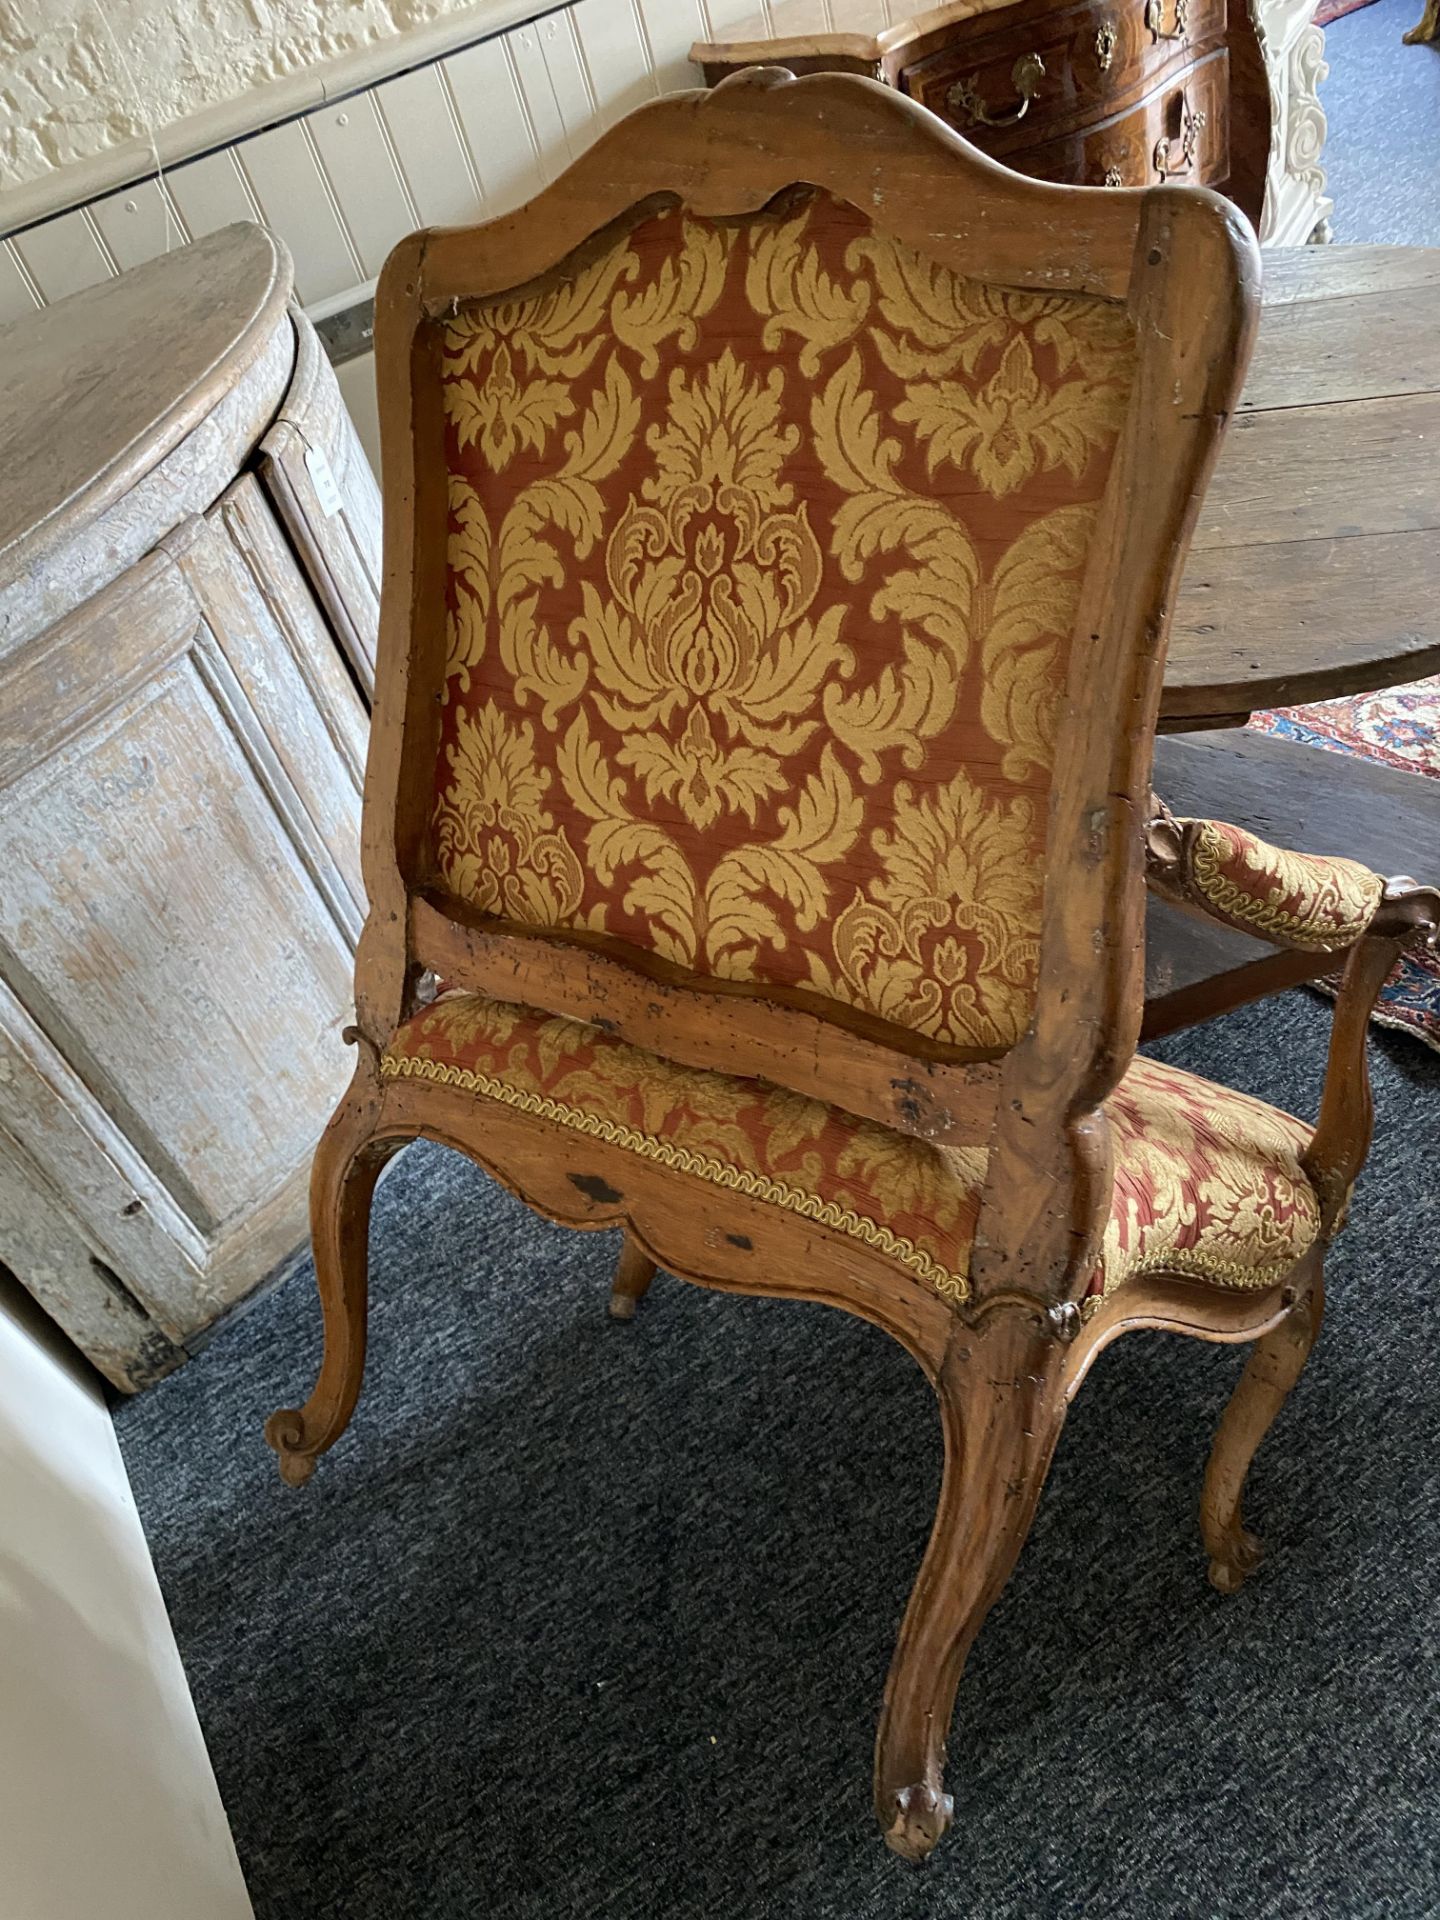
(98, 389)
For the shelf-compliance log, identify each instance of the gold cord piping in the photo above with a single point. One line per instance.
(950, 1286)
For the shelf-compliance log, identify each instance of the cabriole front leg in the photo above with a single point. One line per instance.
(347, 1164)
(1275, 1364)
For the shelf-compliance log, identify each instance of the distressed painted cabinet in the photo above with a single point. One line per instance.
(189, 538)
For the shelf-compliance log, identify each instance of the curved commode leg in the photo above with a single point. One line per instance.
(633, 1273)
(1001, 1409)
(342, 1183)
(1273, 1368)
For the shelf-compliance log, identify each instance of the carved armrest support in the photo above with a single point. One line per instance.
(1319, 905)
(1407, 917)
(1304, 900)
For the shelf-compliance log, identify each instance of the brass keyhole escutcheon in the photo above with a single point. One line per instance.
(1106, 37)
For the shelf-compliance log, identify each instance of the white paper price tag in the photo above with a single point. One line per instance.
(323, 480)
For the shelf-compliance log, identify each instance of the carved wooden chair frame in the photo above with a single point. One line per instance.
(1006, 1362)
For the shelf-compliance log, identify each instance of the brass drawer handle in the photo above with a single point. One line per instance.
(1192, 126)
(1027, 73)
(1155, 19)
(1106, 37)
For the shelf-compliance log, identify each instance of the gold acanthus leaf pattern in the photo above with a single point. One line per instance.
(526, 356)
(766, 541)
(1012, 424)
(938, 930)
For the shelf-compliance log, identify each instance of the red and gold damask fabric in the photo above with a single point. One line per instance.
(765, 544)
(1208, 1182)
(1305, 900)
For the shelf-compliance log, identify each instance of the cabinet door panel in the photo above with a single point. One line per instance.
(173, 924)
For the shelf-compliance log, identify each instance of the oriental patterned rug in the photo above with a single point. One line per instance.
(1400, 728)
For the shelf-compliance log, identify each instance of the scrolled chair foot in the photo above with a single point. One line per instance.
(285, 1432)
(921, 1819)
(1238, 1559)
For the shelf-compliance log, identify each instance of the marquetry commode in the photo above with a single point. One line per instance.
(189, 548)
(1118, 93)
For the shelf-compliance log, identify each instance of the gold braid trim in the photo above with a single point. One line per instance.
(1187, 1264)
(1209, 853)
(720, 1173)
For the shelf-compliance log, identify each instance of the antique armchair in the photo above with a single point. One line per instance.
(783, 513)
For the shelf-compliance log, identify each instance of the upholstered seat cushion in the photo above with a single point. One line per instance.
(1208, 1182)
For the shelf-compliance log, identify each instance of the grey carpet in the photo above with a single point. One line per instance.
(586, 1620)
(1382, 148)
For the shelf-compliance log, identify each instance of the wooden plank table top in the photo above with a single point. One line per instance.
(1314, 571)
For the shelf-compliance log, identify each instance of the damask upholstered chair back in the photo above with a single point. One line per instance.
(765, 542)
(782, 517)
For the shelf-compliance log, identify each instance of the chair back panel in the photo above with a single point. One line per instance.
(766, 539)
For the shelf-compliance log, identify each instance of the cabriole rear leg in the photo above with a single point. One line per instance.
(633, 1274)
(1001, 1409)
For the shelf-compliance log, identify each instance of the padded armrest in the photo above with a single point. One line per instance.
(1303, 900)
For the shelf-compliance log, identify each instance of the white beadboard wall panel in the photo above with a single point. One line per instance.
(458, 139)
(357, 389)
(281, 168)
(616, 57)
(63, 255)
(803, 16)
(569, 82)
(417, 111)
(738, 20)
(138, 224)
(496, 123)
(370, 193)
(210, 193)
(16, 299)
(672, 27)
(537, 93)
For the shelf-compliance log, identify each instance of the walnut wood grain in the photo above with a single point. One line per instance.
(1112, 82)
(1126, 147)
(1084, 83)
